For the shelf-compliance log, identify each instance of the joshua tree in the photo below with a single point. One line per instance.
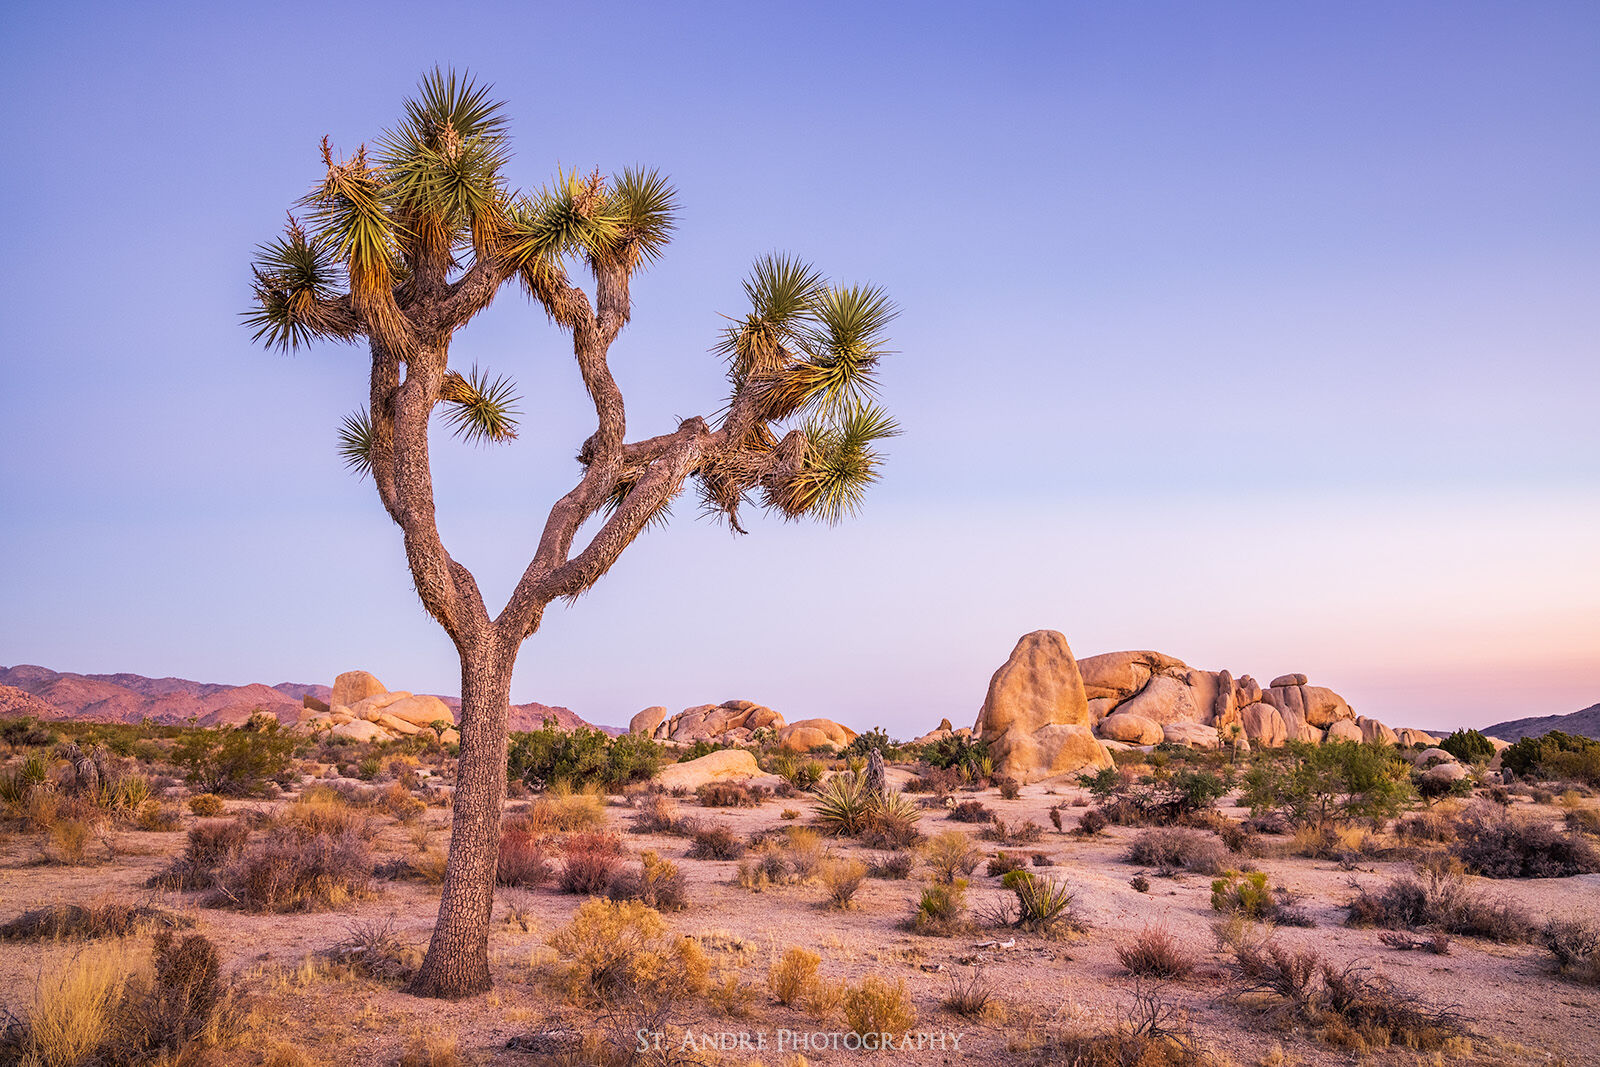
(400, 247)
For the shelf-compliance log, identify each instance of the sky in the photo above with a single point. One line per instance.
(1260, 334)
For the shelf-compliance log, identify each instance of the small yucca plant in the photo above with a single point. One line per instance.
(843, 804)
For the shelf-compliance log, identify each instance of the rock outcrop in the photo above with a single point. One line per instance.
(1145, 698)
(807, 734)
(727, 765)
(1035, 718)
(373, 713)
(732, 722)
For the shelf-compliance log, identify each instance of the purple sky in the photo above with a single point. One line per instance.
(1264, 335)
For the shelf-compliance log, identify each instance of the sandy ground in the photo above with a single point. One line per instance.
(1520, 1011)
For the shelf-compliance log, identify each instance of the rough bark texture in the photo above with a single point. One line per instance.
(457, 964)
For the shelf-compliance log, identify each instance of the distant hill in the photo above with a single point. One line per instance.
(31, 690)
(1585, 723)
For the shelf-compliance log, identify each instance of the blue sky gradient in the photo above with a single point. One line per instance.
(1261, 334)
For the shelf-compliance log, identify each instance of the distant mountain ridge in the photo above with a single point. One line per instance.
(28, 689)
(1585, 723)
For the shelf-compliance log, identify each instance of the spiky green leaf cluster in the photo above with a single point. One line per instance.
(292, 275)
(576, 216)
(355, 442)
(481, 410)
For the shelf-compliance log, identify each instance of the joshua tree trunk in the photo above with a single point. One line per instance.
(457, 964)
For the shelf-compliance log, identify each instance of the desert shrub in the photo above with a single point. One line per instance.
(1439, 900)
(178, 1006)
(789, 814)
(373, 950)
(619, 950)
(874, 740)
(396, 801)
(1009, 788)
(1328, 784)
(1426, 827)
(896, 866)
(1173, 848)
(1091, 822)
(521, 862)
(891, 822)
(955, 750)
(716, 843)
(1155, 953)
(730, 795)
(580, 757)
(731, 995)
(968, 997)
(157, 817)
(971, 811)
(1043, 905)
(942, 908)
(69, 841)
(323, 810)
(1583, 821)
(877, 1007)
(804, 851)
(1248, 896)
(951, 855)
(1004, 863)
(1496, 844)
(209, 846)
(657, 882)
(842, 879)
(589, 862)
(1025, 833)
(1468, 746)
(1554, 755)
(794, 975)
(1140, 883)
(236, 760)
(291, 869)
(562, 811)
(1576, 947)
(80, 921)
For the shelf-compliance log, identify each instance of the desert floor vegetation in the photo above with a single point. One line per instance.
(630, 908)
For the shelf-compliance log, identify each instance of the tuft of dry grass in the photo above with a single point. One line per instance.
(207, 805)
(968, 997)
(951, 856)
(72, 1013)
(794, 975)
(875, 1006)
(1155, 953)
(842, 879)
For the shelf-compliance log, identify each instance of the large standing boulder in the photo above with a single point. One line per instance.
(1263, 724)
(727, 765)
(1118, 674)
(807, 734)
(646, 721)
(420, 710)
(1166, 699)
(360, 730)
(1343, 730)
(353, 686)
(1323, 706)
(1409, 737)
(1035, 717)
(1130, 729)
(1193, 734)
(1374, 732)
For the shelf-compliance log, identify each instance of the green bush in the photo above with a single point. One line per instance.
(235, 760)
(1323, 785)
(956, 750)
(874, 740)
(1468, 746)
(1554, 755)
(580, 757)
